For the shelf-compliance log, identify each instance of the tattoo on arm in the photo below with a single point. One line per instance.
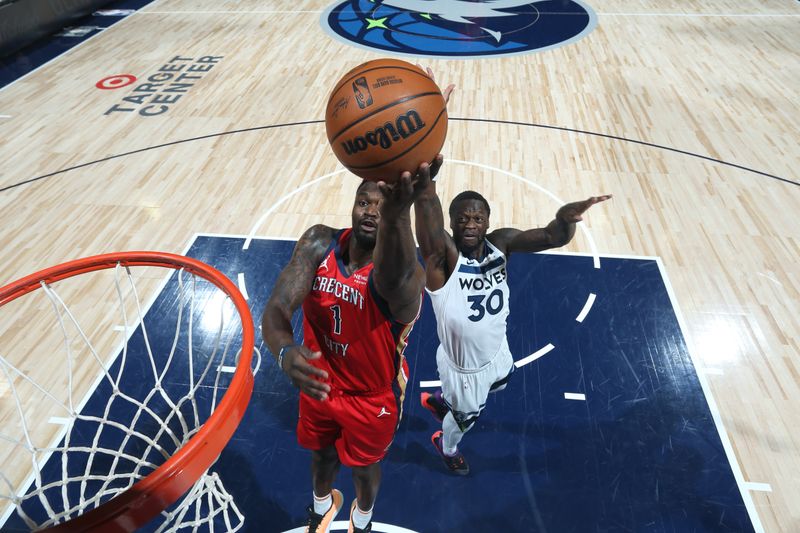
(293, 285)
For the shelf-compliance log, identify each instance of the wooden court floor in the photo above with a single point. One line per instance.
(685, 111)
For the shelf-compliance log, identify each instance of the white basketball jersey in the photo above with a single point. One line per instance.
(471, 309)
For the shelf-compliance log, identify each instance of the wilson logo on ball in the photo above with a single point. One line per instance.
(404, 127)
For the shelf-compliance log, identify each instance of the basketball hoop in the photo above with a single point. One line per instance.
(179, 436)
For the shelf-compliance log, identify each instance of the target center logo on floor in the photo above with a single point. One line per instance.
(159, 91)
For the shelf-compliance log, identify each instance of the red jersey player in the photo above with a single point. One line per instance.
(361, 291)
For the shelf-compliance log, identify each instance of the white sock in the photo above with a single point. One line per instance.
(321, 505)
(452, 435)
(361, 518)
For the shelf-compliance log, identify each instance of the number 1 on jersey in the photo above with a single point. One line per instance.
(337, 318)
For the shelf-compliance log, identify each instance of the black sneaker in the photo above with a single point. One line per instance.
(456, 463)
(321, 523)
(435, 404)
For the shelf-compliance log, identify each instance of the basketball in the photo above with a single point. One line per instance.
(384, 117)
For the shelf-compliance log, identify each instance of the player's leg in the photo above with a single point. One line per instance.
(446, 444)
(317, 432)
(452, 397)
(367, 481)
(324, 467)
(504, 363)
(368, 428)
(434, 401)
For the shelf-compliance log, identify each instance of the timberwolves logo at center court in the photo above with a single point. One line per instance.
(459, 28)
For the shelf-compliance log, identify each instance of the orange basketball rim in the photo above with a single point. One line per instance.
(145, 499)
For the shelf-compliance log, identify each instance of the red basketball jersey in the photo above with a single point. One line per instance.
(345, 319)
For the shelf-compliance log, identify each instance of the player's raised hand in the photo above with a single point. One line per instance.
(447, 91)
(573, 212)
(305, 376)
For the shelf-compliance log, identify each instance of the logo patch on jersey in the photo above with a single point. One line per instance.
(458, 28)
(383, 412)
(324, 264)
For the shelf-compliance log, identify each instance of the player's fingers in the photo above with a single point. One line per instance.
(424, 172)
(385, 189)
(316, 385)
(314, 371)
(436, 164)
(447, 92)
(308, 354)
(314, 392)
(308, 369)
(406, 184)
(597, 199)
(307, 382)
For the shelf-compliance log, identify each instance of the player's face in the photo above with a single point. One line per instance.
(367, 214)
(469, 224)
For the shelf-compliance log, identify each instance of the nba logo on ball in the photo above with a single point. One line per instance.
(361, 90)
(398, 122)
(459, 28)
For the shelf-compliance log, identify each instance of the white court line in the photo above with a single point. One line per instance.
(343, 525)
(227, 369)
(132, 325)
(534, 356)
(586, 307)
(61, 420)
(712, 371)
(5, 116)
(244, 12)
(283, 199)
(690, 15)
(605, 255)
(758, 487)
(242, 286)
(241, 236)
(574, 396)
(712, 406)
(773, 280)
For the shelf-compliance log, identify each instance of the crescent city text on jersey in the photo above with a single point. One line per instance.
(344, 292)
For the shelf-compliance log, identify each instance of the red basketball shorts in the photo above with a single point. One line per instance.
(361, 427)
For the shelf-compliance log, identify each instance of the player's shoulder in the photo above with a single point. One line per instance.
(315, 241)
(500, 238)
(318, 234)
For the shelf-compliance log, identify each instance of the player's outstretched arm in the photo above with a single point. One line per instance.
(397, 274)
(436, 245)
(557, 233)
(293, 285)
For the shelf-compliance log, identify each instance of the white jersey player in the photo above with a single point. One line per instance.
(466, 279)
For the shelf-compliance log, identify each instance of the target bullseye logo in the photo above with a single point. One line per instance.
(115, 82)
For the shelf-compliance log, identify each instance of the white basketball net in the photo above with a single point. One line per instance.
(59, 457)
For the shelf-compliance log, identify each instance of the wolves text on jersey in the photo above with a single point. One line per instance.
(478, 283)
